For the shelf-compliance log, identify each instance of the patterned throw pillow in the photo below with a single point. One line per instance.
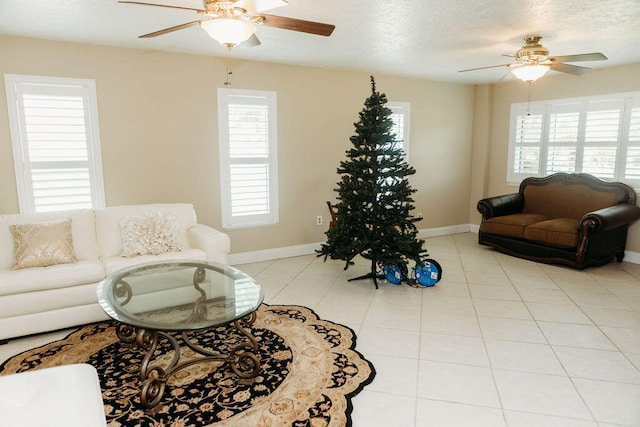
(42, 244)
(150, 234)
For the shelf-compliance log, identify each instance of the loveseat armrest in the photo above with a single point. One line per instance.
(610, 218)
(501, 205)
(216, 244)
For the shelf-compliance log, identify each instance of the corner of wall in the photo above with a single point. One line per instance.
(481, 146)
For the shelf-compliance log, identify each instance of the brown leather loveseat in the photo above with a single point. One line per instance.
(572, 219)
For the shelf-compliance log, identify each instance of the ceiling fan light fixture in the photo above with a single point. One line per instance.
(228, 32)
(530, 73)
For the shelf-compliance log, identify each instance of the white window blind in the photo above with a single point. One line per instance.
(401, 115)
(56, 146)
(563, 138)
(595, 135)
(632, 160)
(528, 137)
(602, 138)
(248, 157)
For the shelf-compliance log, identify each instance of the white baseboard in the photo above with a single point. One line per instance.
(445, 231)
(275, 253)
(632, 257)
(310, 248)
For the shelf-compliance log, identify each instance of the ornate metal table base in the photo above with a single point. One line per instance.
(243, 358)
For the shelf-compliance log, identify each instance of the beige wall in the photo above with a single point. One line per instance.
(499, 98)
(158, 126)
(158, 114)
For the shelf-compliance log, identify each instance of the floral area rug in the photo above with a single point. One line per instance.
(310, 371)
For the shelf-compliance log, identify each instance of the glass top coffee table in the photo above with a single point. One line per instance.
(151, 300)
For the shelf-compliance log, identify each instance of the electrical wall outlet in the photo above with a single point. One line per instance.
(319, 220)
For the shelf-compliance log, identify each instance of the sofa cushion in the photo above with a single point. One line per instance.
(510, 225)
(42, 244)
(83, 233)
(556, 200)
(108, 223)
(52, 277)
(560, 232)
(115, 263)
(35, 302)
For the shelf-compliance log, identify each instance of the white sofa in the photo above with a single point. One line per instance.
(40, 299)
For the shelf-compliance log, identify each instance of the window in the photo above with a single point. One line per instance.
(595, 135)
(401, 112)
(56, 143)
(248, 157)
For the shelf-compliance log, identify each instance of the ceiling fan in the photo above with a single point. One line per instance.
(532, 61)
(232, 22)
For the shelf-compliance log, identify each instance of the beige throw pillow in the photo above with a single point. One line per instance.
(150, 234)
(42, 244)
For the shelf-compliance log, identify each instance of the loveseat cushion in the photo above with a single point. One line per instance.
(556, 200)
(559, 232)
(52, 277)
(511, 225)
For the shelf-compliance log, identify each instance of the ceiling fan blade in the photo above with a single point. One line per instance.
(252, 41)
(293, 24)
(569, 69)
(170, 29)
(159, 5)
(484, 68)
(595, 56)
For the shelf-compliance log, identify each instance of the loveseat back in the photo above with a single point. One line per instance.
(549, 196)
(83, 233)
(108, 223)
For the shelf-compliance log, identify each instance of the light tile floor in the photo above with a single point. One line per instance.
(498, 342)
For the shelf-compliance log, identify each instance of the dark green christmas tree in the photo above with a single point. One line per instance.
(372, 214)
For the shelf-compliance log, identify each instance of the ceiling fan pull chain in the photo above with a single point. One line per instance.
(529, 98)
(228, 71)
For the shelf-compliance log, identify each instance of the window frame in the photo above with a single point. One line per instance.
(403, 108)
(270, 218)
(18, 84)
(629, 102)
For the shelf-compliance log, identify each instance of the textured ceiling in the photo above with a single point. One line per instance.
(421, 38)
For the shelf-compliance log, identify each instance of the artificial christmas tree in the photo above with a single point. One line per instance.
(372, 214)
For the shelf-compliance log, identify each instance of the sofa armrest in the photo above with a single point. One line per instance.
(501, 205)
(610, 218)
(216, 244)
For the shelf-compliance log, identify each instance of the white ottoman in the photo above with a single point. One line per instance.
(63, 396)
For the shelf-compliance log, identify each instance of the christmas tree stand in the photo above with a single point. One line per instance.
(373, 275)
